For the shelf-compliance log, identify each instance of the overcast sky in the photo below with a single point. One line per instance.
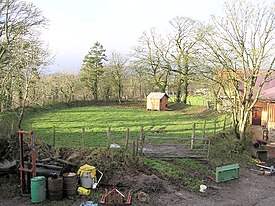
(74, 26)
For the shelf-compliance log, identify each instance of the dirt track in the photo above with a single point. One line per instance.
(250, 189)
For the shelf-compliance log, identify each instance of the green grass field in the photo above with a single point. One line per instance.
(192, 100)
(88, 125)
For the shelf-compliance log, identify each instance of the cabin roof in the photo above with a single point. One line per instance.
(156, 95)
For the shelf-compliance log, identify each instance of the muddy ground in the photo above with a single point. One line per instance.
(150, 189)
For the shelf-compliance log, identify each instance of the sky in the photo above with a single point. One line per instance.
(74, 26)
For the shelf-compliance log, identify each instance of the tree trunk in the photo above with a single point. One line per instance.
(185, 89)
(243, 123)
(119, 92)
(179, 84)
(95, 90)
(185, 79)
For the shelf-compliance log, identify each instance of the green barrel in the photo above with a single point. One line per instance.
(38, 189)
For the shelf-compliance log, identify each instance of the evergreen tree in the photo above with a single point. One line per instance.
(92, 68)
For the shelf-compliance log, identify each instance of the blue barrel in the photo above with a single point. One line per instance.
(38, 189)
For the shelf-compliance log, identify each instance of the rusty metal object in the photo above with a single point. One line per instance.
(29, 169)
(115, 197)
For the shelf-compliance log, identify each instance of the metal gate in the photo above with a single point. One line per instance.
(176, 147)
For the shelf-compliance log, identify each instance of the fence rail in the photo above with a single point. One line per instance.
(103, 137)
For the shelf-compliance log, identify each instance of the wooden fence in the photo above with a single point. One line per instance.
(89, 137)
(179, 147)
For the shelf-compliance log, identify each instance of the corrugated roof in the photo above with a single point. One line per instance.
(268, 94)
(268, 89)
(156, 95)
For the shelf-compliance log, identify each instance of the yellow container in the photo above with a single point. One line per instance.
(87, 168)
(87, 174)
(83, 191)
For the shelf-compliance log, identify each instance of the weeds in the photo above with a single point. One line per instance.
(227, 150)
(174, 172)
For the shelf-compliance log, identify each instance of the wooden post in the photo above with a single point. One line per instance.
(108, 137)
(208, 149)
(224, 123)
(193, 135)
(141, 140)
(134, 148)
(203, 129)
(127, 138)
(215, 126)
(137, 146)
(53, 136)
(83, 137)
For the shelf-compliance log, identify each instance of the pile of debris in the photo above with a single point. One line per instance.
(8, 149)
(59, 170)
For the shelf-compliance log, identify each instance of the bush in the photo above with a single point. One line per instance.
(227, 149)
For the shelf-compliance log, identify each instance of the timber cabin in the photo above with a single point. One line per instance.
(263, 113)
(157, 101)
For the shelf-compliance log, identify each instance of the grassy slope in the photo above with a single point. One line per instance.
(69, 123)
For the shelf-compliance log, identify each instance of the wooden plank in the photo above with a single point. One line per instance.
(176, 138)
(169, 157)
(179, 153)
(168, 149)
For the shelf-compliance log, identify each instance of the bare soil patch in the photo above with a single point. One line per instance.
(148, 187)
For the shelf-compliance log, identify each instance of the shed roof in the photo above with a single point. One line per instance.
(157, 95)
(268, 90)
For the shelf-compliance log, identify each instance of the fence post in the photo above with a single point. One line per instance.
(137, 146)
(193, 135)
(208, 149)
(127, 138)
(134, 148)
(224, 123)
(83, 137)
(53, 136)
(141, 140)
(203, 129)
(215, 126)
(108, 137)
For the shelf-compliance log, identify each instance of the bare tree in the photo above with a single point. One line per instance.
(150, 55)
(187, 33)
(117, 68)
(240, 52)
(28, 59)
(19, 22)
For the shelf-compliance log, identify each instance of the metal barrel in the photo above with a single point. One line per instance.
(70, 183)
(55, 188)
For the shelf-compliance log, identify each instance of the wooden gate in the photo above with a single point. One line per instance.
(176, 147)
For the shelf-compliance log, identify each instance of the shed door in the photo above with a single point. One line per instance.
(256, 116)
